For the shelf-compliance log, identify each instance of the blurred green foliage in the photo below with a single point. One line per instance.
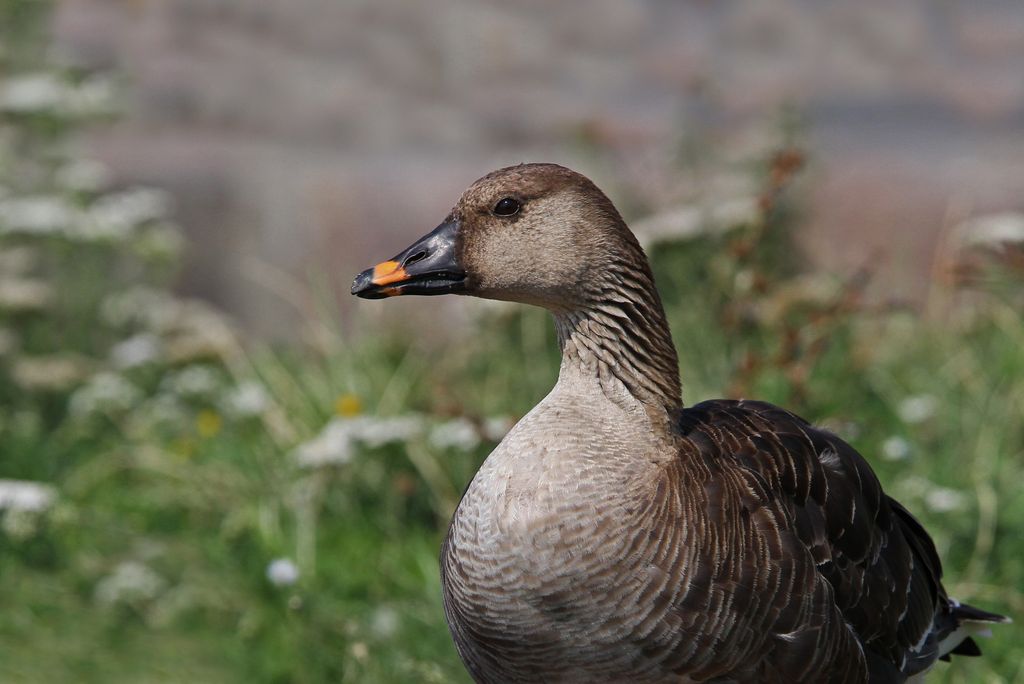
(182, 507)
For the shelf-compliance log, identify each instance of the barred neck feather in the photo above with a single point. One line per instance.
(619, 331)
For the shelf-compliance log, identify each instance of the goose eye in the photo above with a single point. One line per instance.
(506, 207)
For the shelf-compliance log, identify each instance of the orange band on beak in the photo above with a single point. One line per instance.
(388, 272)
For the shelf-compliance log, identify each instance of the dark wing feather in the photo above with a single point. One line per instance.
(882, 566)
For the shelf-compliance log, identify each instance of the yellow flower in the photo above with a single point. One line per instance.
(208, 423)
(348, 405)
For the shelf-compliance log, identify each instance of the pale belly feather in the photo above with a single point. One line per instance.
(533, 563)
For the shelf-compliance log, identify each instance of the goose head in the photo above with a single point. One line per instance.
(535, 233)
(545, 235)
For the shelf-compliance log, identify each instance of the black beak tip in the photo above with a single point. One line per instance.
(363, 286)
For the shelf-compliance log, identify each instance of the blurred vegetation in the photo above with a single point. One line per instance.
(176, 506)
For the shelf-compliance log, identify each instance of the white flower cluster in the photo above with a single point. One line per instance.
(248, 399)
(385, 622)
(896, 448)
(109, 393)
(26, 496)
(336, 443)
(104, 394)
(112, 217)
(192, 382)
(189, 330)
(993, 229)
(22, 503)
(36, 215)
(137, 350)
(116, 215)
(49, 93)
(163, 409)
(496, 427)
(936, 497)
(458, 433)
(32, 93)
(131, 582)
(282, 572)
(918, 408)
(696, 221)
(137, 306)
(945, 500)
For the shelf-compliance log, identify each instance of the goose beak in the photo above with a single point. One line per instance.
(430, 266)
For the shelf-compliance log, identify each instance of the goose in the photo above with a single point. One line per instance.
(614, 535)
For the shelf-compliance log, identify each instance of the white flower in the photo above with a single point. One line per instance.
(936, 498)
(458, 433)
(895, 448)
(694, 221)
(47, 92)
(738, 211)
(333, 446)
(496, 427)
(914, 486)
(384, 622)
(944, 500)
(682, 223)
(376, 432)
(918, 408)
(247, 399)
(282, 572)
(336, 443)
(118, 214)
(104, 393)
(22, 504)
(29, 93)
(993, 229)
(36, 215)
(130, 582)
(26, 496)
(137, 350)
(192, 381)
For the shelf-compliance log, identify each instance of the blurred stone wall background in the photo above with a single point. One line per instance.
(321, 135)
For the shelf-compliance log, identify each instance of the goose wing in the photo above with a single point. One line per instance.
(884, 572)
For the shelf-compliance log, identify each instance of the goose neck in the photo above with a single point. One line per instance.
(621, 338)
